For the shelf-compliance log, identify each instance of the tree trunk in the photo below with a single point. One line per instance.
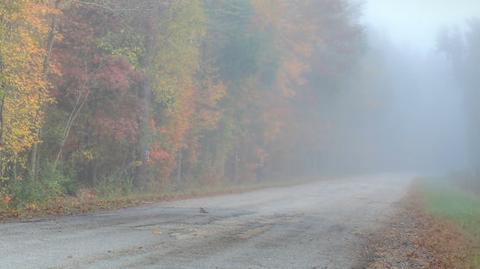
(144, 139)
(46, 63)
(236, 160)
(179, 167)
(2, 102)
(142, 176)
(79, 104)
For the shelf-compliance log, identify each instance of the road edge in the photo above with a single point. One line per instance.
(414, 238)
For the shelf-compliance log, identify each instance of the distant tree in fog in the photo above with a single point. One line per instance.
(463, 50)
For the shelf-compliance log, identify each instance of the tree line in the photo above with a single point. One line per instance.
(161, 94)
(462, 48)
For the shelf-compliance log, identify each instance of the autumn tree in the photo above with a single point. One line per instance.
(94, 120)
(23, 85)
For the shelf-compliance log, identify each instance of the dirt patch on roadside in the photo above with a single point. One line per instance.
(415, 239)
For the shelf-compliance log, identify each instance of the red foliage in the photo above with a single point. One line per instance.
(7, 199)
(114, 75)
(157, 154)
(120, 128)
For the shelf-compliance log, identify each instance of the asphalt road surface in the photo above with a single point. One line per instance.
(318, 225)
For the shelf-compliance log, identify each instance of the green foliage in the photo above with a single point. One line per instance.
(113, 186)
(125, 43)
(218, 146)
(177, 54)
(54, 184)
(239, 46)
(58, 182)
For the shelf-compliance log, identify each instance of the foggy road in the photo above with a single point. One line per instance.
(316, 225)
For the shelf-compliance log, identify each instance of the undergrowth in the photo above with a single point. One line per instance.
(109, 194)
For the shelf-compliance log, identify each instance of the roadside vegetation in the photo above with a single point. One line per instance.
(437, 226)
(450, 199)
(109, 198)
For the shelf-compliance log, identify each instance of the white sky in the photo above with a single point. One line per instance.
(415, 23)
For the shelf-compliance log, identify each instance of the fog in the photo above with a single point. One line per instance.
(401, 107)
(420, 120)
(425, 118)
(254, 133)
(416, 24)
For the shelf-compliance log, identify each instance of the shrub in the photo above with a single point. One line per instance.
(113, 186)
(52, 183)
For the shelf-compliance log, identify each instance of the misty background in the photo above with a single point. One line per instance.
(414, 115)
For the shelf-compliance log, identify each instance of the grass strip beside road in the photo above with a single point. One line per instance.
(445, 199)
(416, 238)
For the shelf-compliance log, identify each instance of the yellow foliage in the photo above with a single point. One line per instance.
(23, 87)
